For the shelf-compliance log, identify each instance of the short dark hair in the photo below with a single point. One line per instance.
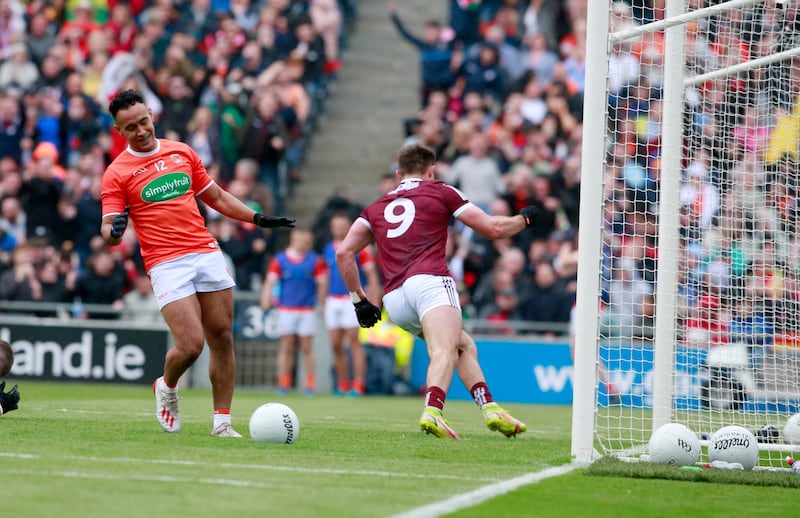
(415, 159)
(124, 99)
(6, 358)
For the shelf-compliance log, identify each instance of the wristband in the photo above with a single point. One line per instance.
(355, 297)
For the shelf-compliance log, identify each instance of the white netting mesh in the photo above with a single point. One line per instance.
(737, 326)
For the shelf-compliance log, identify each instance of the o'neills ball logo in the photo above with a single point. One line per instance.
(287, 423)
(166, 187)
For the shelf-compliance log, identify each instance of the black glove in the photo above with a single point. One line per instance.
(264, 221)
(528, 213)
(368, 314)
(8, 400)
(119, 224)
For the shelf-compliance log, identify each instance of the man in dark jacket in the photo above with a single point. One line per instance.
(435, 54)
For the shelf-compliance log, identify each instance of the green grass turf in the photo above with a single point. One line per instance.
(96, 450)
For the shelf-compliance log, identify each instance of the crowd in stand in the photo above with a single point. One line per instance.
(500, 101)
(241, 81)
(737, 259)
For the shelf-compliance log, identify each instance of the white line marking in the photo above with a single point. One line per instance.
(146, 478)
(482, 494)
(266, 467)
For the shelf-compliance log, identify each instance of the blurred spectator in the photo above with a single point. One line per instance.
(549, 299)
(20, 282)
(339, 202)
(102, 282)
(41, 37)
(179, 106)
(82, 128)
(326, 18)
(139, 304)
(203, 136)
(246, 173)
(265, 140)
(509, 51)
(19, 71)
(41, 191)
(509, 267)
(482, 74)
(504, 308)
(13, 221)
(435, 54)
(310, 50)
(699, 195)
(57, 284)
(629, 302)
(12, 123)
(476, 174)
(458, 144)
(231, 118)
(539, 58)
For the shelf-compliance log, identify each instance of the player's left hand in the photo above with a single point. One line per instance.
(529, 213)
(8, 400)
(367, 313)
(264, 221)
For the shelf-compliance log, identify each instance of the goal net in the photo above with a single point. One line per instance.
(689, 287)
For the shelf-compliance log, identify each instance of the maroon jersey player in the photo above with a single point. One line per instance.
(409, 227)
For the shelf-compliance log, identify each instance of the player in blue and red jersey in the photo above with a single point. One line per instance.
(339, 316)
(302, 279)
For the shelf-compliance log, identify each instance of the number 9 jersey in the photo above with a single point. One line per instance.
(410, 225)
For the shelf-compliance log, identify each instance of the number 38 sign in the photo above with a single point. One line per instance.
(250, 322)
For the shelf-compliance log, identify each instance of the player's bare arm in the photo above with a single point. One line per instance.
(358, 237)
(229, 205)
(226, 203)
(373, 287)
(495, 227)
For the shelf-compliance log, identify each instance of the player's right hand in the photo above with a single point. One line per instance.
(119, 224)
(8, 400)
(367, 313)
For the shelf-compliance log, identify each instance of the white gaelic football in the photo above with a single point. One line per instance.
(674, 443)
(274, 423)
(734, 444)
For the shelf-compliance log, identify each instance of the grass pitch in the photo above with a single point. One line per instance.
(96, 450)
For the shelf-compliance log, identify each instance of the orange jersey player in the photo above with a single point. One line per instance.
(154, 182)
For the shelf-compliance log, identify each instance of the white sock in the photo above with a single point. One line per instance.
(166, 388)
(220, 419)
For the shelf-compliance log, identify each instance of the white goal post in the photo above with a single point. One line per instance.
(688, 302)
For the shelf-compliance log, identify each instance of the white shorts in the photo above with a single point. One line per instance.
(300, 322)
(190, 274)
(419, 294)
(339, 313)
